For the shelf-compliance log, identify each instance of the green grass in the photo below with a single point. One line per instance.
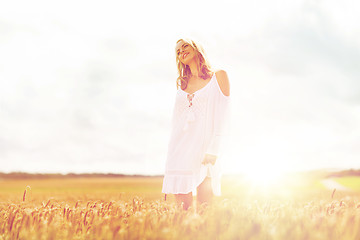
(350, 182)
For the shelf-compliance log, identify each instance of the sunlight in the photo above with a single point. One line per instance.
(265, 168)
(265, 177)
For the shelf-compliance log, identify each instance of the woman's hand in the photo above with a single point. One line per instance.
(209, 158)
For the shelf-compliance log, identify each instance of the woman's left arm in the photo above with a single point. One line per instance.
(221, 109)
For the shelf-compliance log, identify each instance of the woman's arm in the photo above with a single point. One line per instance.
(223, 81)
(220, 116)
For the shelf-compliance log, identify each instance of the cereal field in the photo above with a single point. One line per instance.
(134, 208)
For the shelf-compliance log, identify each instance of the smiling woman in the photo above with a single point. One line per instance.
(201, 105)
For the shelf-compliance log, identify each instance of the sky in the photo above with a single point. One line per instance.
(89, 86)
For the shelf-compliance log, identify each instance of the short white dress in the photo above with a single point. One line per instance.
(198, 124)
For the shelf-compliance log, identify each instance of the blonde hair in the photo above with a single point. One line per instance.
(204, 67)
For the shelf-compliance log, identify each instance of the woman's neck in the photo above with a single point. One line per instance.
(194, 69)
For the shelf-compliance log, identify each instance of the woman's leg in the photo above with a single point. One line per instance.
(184, 200)
(204, 192)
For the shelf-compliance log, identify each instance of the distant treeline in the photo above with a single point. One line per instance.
(345, 173)
(23, 175)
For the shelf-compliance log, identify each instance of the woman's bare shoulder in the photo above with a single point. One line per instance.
(223, 81)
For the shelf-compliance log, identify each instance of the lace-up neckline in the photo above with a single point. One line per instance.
(200, 88)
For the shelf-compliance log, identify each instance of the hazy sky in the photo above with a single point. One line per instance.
(89, 86)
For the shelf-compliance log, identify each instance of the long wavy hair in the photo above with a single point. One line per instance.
(203, 64)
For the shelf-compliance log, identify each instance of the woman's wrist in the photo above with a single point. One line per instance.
(209, 158)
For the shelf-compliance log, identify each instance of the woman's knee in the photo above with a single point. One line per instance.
(185, 200)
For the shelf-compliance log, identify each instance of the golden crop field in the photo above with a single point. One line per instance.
(134, 208)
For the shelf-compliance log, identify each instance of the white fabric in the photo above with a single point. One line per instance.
(197, 128)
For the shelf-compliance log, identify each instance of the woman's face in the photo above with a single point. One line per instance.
(185, 52)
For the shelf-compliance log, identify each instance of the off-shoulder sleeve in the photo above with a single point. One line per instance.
(220, 122)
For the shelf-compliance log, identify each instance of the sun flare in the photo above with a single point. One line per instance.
(264, 177)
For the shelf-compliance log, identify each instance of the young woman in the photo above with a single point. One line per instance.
(197, 126)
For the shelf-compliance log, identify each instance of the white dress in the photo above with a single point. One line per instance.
(197, 128)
